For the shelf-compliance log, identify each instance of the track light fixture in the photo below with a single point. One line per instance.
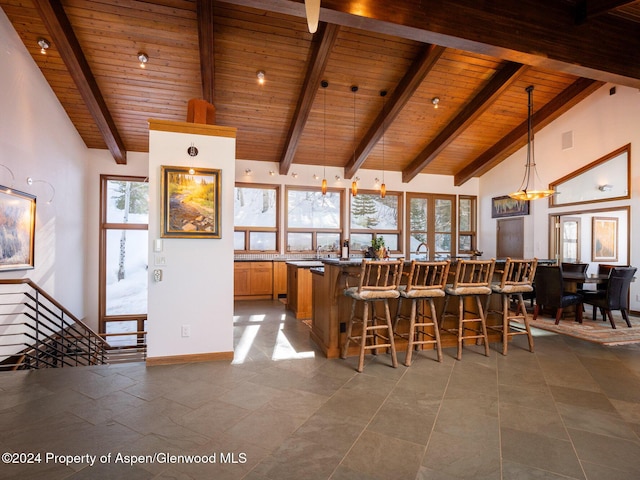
(143, 58)
(44, 44)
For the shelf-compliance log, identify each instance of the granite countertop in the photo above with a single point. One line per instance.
(305, 263)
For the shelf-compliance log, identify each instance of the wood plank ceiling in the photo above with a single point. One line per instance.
(476, 62)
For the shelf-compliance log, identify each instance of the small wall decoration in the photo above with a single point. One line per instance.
(604, 239)
(17, 229)
(506, 206)
(190, 202)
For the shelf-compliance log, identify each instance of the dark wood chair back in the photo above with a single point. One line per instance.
(618, 287)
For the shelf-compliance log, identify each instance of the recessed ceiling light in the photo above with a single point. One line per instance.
(260, 75)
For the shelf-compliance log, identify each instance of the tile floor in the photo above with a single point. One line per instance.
(281, 411)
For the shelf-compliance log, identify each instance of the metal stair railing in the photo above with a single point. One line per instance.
(36, 331)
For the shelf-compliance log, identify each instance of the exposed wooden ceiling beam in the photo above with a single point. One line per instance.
(588, 9)
(411, 81)
(59, 27)
(567, 99)
(327, 35)
(205, 40)
(539, 33)
(496, 86)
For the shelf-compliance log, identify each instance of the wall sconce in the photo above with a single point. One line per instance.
(337, 178)
(143, 58)
(435, 101)
(31, 181)
(294, 175)
(315, 176)
(44, 45)
(272, 173)
(605, 188)
(260, 75)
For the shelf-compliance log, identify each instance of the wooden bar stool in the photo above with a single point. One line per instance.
(472, 279)
(378, 282)
(426, 282)
(517, 278)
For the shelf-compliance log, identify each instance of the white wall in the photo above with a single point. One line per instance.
(600, 124)
(38, 140)
(197, 284)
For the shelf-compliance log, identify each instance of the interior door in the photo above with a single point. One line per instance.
(570, 239)
(510, 237)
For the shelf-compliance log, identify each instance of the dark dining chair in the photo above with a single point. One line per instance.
(550, 293)
(575, 268)
(616, 295)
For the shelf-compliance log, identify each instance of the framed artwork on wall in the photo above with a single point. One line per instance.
(505, 206)
(190, 202)
(604, 239)
(17, 229)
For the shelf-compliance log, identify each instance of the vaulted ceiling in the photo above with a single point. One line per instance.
(476, 58)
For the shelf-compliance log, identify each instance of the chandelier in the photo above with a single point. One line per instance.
(527, 190)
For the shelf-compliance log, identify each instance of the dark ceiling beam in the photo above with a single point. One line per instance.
(327, 35)
(205, 41)
(588, 9)
(59, 27)
(476, 107)
(403, 92)
(540, 33)
(517, 138)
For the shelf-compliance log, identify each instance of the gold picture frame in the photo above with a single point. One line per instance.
(17, 229)
(190, 202)
(604, 239)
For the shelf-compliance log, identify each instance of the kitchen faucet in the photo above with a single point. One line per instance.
(426, 250)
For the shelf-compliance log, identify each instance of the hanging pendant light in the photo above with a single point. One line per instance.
(312, 9)
(527, 190)
(324, 84)
(354, 184)
(383, 187)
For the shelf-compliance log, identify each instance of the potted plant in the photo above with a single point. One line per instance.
(377, 247)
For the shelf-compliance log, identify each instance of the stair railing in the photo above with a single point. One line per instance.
(36, 331)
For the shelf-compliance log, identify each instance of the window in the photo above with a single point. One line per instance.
(467, 224)
(372, 216)
(255, 218)
(313, 220)
(431, 221)
(124, 206)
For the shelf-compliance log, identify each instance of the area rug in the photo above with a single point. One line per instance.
(594, 331)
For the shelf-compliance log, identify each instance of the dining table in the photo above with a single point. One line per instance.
(573, 279)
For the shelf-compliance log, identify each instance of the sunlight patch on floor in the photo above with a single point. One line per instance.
(283, 349)
(245, 343)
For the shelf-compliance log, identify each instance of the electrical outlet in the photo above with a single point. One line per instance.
(186, 330)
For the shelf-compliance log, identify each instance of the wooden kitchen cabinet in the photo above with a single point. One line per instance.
(241, 279)
(279, 280)
(261, 278)
(253, 280)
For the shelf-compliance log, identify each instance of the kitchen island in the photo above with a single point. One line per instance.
(331, 308)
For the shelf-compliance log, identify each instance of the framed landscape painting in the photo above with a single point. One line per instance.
(604, 239)
(190, 202)
(506, 206)
(17, 229)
